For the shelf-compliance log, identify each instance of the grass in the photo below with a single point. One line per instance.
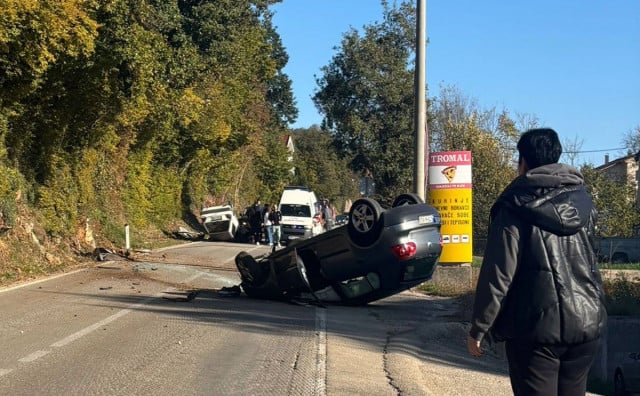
(629, 266)
(476, 261)
(622, 296)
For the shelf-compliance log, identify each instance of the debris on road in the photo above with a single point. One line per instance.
(104, 254)
(179, 296)
(183, 233)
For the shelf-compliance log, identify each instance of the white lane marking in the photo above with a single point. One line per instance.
(103, 322)
(6, 289)
(34, 356)
(321, 363)
(113, 317)
(5, 371)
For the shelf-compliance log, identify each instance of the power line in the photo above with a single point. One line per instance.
(581, 151)
(593, 151)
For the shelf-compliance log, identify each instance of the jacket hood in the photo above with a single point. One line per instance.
(551, 197)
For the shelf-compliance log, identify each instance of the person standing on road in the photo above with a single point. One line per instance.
(255, 220)
(539, 288)
(276, 218)
(268, 225)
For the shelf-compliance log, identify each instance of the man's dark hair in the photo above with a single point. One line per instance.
(539, 147)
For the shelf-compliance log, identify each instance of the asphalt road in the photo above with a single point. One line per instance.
(157, 326)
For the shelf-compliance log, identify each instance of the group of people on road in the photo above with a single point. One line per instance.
(265, 220)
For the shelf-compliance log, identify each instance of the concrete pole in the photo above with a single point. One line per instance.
(420, 100)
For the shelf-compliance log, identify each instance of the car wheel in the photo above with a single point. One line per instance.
(619, 258)
(407, 199)
(252, 272)
(364, 221)
(619, 388)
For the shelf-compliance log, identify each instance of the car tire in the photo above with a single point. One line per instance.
(364, 221)
(407, 199)
(251, 271)
(619, 387)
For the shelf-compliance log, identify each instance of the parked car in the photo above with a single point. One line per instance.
(619, 250)
(626, 378)
(219, 222)
(380, 252)
(342, 219)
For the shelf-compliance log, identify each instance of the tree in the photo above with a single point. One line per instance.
(631, 140)
(35, 34)
(366, 97)
(279, 92)
(166, 99)
(319, 167)
(571, 149)
(615, 201)
(456, 123)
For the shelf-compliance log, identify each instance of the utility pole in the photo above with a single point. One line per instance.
(420, 110)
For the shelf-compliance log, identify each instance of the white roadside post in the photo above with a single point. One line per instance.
(126, 237)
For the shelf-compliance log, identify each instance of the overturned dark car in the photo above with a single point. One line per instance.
(378, 253)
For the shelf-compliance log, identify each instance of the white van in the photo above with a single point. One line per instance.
(300, 214)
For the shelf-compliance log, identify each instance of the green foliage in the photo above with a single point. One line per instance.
(36, 34)
(456, 124)
(615, 201)
(272, 168)
(166, 185)
(57, 200)
(366, 97)
(154, 106)
(622, 296)
(11, 186)
(137, 191)
(319, 167)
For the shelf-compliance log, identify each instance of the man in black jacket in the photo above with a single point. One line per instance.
(539, 288)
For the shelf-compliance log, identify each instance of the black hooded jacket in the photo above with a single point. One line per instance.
(539, 279)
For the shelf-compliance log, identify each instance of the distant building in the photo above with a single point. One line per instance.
(623, 170)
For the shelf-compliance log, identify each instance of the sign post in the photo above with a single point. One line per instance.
(450, 187)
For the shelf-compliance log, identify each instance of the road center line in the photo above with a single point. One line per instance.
(35, 282)
(321, 362)
(103, 322)
(117, 315)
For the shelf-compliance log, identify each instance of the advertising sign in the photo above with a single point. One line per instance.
(450, 185)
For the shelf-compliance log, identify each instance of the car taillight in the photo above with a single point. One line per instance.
(404, 250)
(441, 242)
